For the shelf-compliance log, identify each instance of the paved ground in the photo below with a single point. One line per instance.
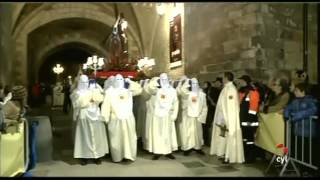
(194, 165)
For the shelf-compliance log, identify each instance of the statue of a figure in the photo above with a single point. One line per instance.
(117, 46)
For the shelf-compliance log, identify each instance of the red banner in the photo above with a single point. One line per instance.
(106, 74)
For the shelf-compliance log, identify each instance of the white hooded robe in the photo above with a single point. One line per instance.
(193, 115)
(117, 112)
(162, 111)
(90, 134)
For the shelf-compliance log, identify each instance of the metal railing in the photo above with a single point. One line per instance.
(292, 155)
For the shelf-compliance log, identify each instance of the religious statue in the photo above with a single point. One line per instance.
(117, 45)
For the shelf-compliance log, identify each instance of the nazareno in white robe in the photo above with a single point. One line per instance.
(141, 111)
(162, 111)
(117, 112)
(91, 140)
(181, 103)
(193, 115)
(227, 112)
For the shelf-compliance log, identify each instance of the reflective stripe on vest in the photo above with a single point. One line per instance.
(249, 124)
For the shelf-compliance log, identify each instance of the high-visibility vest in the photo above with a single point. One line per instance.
(253, 97)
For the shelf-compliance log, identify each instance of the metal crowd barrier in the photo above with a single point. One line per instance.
(292, 156)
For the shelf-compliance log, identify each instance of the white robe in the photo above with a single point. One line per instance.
(141, 113)
(162, 111)
(90, 134)
(193, 115)
(179, 117)
(227, 112)
(58, 96)
(117, 112)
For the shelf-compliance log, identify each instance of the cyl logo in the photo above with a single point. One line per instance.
(284, 158)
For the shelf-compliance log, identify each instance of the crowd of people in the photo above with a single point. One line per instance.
(52, 95)
(13, 105)
(167, 115)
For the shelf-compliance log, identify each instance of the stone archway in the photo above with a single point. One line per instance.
(81, 44)
(70, 55)
(44, 15)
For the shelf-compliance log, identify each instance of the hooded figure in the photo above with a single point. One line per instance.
(140, 108)
(108, 83)
(143, 109)
(193, 115)
(90, 135)
(117, 111)
(162, 111)
(178, 88)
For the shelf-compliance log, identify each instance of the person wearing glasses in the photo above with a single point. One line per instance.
(280, 98)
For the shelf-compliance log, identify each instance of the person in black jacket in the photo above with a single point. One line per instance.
(67, 100)
(212, 94)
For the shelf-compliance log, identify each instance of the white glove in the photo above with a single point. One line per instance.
(186, 83)
(154, 82)
(7, 98)
(127, 80)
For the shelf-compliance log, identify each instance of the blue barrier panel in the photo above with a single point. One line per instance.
(32, 145)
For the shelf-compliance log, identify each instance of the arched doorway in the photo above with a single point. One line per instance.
(70, 57)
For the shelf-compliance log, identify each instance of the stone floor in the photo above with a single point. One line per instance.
(194, 165)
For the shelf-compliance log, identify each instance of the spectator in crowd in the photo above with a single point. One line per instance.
(298, 112)
(300, 76)
(280, 97)
(2, 102)
(207, 89)
(212, 92)
(58, 95)
(66, 100)
(5, 97)
(36, 94)
(15, 108)
(42, 93)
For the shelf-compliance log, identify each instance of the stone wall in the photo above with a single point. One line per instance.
(5, 42)
(259, 39)
(246, 38)
(155, 36)
(218, 38)
(313, 44)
